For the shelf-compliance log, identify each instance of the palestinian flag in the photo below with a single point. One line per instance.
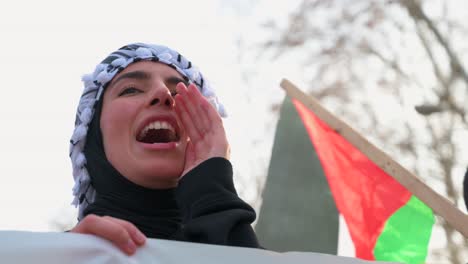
(298, 212)
(386, 222)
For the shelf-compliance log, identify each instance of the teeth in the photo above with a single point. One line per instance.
(157, 125)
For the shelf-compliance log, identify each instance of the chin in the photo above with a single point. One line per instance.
(162, 174)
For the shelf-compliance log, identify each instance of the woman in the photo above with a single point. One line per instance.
(150, 155)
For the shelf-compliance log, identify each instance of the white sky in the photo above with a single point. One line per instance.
(48, 45)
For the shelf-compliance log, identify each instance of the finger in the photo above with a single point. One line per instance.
(137, 236)
(193, 110)
(185, 118)
(197, 99)
(108, 230)
(217, 126)
(211, 114)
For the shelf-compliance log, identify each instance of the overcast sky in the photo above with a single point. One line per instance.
(48, 45)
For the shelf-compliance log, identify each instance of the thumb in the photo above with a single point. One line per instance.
(189, 157)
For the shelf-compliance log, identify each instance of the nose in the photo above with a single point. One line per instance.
(162, 97)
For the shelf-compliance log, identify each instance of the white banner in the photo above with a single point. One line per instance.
(54, 248)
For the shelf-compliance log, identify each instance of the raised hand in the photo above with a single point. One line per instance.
(121, 233)
(203, 125)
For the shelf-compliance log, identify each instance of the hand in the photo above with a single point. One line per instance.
(203, 124)
(120, 232)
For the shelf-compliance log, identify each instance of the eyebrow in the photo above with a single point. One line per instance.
(142, 75)
(138, 75)
(175, 80)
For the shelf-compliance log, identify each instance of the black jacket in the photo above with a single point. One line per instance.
(203, 208)
(211, 210)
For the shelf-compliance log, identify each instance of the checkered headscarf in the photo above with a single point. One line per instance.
(94, 86)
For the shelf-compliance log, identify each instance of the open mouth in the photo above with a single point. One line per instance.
(158, 132)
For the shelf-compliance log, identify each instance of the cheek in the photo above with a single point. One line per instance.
(116, 121)
(109, 124)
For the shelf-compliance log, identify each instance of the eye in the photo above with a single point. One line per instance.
(129, 90)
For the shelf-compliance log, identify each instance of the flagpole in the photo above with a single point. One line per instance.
(441, 206)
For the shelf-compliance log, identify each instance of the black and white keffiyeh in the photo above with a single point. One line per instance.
(94, 86)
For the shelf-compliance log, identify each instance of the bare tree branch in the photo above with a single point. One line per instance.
(352, 38)
(415, 9)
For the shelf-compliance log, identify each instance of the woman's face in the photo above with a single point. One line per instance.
(143, 138)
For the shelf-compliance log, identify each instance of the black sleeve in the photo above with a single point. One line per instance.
(211, 210)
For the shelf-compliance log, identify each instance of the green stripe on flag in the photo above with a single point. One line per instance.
(406, 234)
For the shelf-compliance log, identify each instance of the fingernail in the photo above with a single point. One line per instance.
(181, 87)
(193, 87)
(130, 247)
(140, 238)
